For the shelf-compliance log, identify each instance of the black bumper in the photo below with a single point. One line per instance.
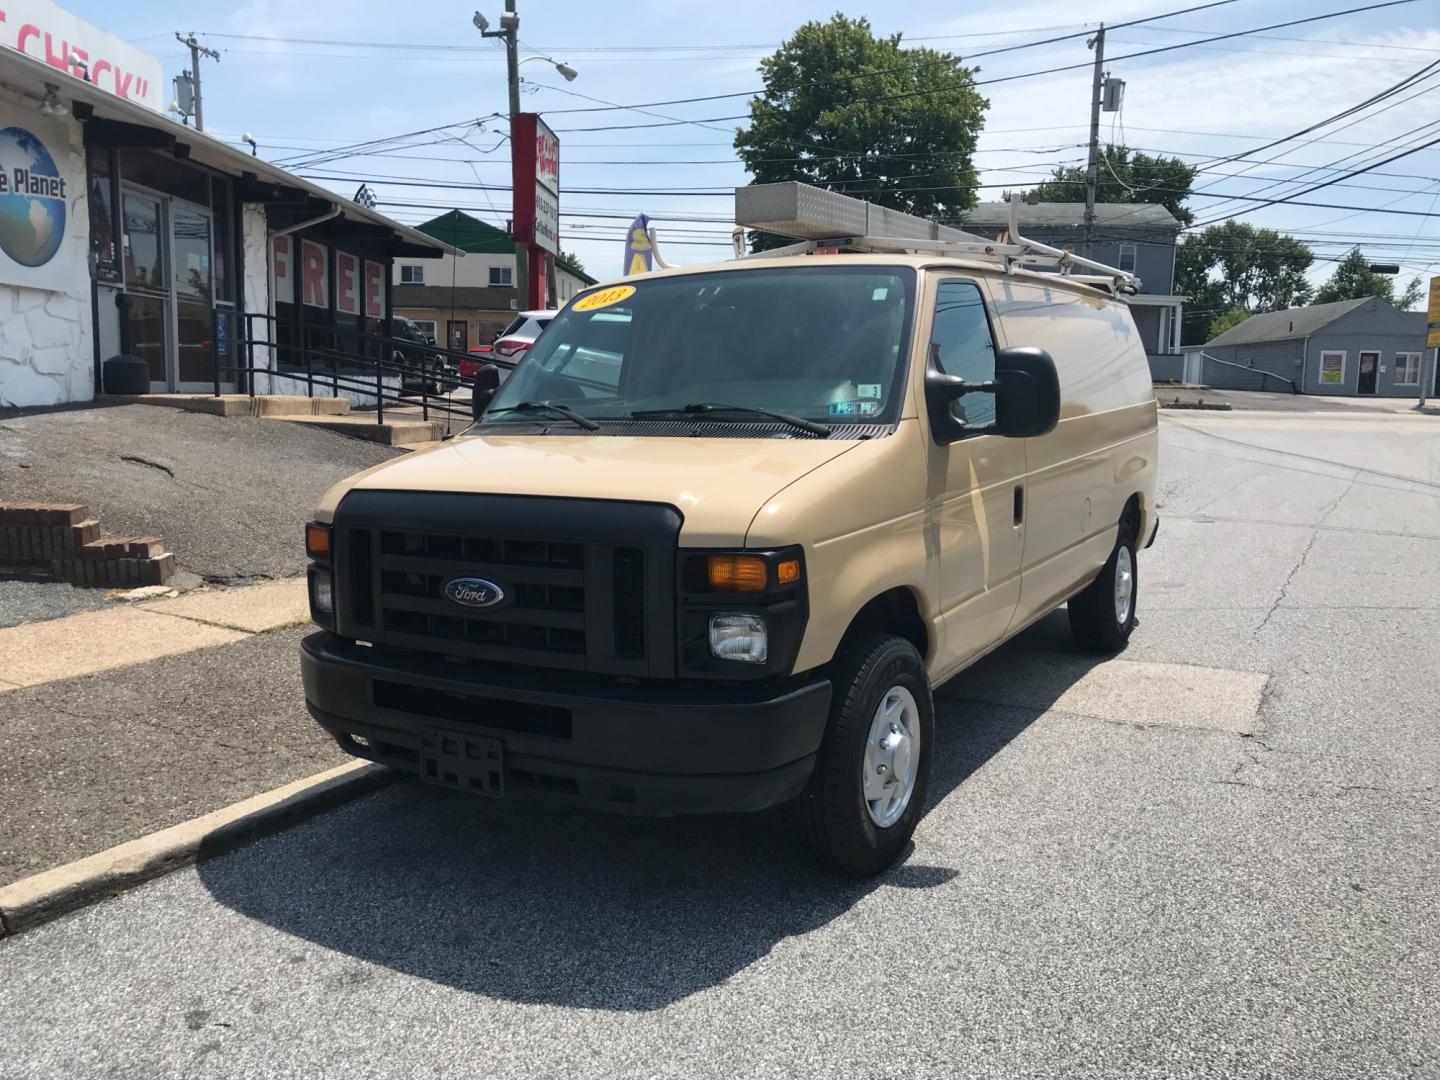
(629, 747)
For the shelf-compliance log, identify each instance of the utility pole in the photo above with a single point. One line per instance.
(509, 32)
(196, 51)
(1092, 171)
(510, 27)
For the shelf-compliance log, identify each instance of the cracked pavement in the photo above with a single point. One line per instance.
(1088, 896)
(230, 495)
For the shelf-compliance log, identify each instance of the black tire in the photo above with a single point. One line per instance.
(1094, 620)
(831, 816)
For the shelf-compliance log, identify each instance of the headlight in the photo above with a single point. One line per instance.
(322, 592)
(736, 636)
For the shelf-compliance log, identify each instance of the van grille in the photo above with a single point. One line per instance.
(569, 601)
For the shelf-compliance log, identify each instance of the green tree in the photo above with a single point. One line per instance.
(1353, 279)
(1123, 177)
(1234, 265)
(1220, 324)
(1413, 296)
(845, 110)
(570, 262)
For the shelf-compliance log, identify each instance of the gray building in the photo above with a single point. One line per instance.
(1351, 347)
(1135, 237)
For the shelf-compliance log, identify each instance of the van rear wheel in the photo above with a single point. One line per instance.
(865, 797)
(1103, 615)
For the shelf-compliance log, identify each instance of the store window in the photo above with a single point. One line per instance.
(104, 256)
(411, 274)
(1407, 369)
(502, 277)
(1332, 367)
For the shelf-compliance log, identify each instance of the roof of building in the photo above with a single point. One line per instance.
(1054, 215)
(1291, 323)
(469, 234)
(29, 75)
(477, 237)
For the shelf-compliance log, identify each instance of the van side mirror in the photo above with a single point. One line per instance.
(482, 390)
(1027, 397)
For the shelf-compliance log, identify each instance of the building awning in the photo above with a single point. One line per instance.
(28, 77)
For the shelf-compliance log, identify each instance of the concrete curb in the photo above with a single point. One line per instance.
(44, 896)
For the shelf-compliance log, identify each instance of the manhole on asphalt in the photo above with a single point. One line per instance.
(1169, 695)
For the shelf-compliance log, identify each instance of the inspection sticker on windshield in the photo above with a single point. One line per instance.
(854, 408)
(605, 297)
(868, 390)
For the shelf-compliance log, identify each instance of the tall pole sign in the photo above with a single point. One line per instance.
(535, 180)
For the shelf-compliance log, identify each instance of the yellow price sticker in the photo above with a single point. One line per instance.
(604, 298)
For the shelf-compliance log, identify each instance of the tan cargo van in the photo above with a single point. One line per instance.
(725, 528)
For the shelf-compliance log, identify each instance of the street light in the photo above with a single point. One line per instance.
(509, 32)
(565, 70)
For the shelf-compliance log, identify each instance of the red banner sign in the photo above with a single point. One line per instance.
(535, 180)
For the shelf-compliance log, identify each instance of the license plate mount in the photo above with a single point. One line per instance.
(460, 760)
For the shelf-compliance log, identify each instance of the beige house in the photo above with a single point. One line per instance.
(467, 301)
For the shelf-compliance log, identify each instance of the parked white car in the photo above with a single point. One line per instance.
(516, 338)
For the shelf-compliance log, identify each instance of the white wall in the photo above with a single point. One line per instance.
(255, 254)
(46, 349)
(471, 271)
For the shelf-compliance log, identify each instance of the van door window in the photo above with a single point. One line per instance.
(961, 344)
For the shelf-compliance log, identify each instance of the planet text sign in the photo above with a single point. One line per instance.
(42, 196)
(68, 43)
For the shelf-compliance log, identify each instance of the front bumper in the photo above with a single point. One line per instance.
(629, 747)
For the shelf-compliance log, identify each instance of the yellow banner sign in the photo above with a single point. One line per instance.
(1432, 320)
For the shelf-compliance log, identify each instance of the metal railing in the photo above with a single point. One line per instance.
(379, 369)
(1294, 387)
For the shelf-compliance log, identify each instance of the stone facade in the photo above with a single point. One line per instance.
(46, 346)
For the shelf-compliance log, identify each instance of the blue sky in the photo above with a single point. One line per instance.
(303, 94)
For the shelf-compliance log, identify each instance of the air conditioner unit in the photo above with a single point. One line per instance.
(514, 304)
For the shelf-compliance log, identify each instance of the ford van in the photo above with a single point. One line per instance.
(724, 530)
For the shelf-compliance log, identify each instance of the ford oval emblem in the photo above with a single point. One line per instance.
(473, 592)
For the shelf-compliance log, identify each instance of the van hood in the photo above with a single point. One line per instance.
(717, 484)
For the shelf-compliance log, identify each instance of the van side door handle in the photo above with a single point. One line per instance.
(1019, 505)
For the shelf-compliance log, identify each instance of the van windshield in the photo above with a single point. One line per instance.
(820, 343)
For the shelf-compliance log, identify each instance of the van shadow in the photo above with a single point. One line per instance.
(540, 905)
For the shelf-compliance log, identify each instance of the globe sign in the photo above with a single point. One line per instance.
(32, 199)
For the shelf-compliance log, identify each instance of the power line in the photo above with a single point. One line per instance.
(1004, 78)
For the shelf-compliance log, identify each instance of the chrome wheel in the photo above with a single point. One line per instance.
(1124, 583)
(892, 757)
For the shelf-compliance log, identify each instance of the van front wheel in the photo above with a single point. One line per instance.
(1103, 614)
(872, 771)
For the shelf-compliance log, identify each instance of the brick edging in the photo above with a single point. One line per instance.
(62, 540)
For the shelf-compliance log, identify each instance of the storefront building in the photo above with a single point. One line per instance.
(124, 232)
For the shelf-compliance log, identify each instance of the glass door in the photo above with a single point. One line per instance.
(147, 310)
(194, 293)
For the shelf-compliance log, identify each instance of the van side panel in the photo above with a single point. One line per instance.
(865, 532)
(1102, 452)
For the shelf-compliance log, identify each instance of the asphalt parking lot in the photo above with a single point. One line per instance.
(1215, 856)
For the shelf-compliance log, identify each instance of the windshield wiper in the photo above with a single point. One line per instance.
(697, 407)
(544, 406)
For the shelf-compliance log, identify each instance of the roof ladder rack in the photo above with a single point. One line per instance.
(823, 219)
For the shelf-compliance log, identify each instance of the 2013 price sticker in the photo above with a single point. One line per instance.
(605, 297)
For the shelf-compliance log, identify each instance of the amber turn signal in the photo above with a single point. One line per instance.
(788, 571)
(317, 541)
(737, 573)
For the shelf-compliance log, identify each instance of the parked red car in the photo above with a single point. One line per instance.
(479, 353)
